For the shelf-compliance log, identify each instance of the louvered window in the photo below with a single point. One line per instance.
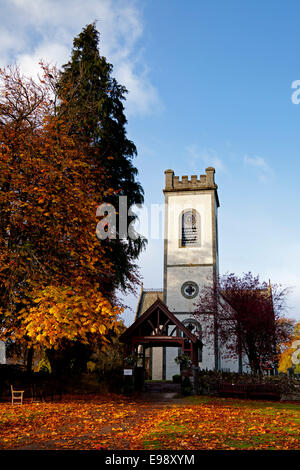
(189, 235)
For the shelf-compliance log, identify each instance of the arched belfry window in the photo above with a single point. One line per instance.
(190, 228)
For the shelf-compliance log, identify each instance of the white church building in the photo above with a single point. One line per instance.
(191, 259)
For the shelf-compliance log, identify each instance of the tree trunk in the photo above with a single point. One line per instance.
(30, 352)
(51, 356)
(255, 366)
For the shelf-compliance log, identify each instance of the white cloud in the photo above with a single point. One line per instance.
(44, 29)
(142, 95)
(29, 63)
(208, 157)
(264, 171)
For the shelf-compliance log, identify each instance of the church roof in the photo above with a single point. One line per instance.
(146, 299)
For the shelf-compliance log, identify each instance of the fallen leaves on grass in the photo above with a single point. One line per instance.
(217, 426)
(115, 422)
(78, 423)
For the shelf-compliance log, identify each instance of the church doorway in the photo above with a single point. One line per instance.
(157, 329)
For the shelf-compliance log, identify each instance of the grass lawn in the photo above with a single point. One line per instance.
(114, 422)
(224, 423)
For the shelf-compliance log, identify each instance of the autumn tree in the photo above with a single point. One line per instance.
(290, 354)
(92, 101)
(247, 318)
(53, 270)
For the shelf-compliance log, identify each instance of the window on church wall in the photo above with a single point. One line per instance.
(189, 289)
(189, 228)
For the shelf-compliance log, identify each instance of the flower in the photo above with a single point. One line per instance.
(184, 360)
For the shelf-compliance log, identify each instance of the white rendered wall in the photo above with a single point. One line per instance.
(231, 364)
(202, 203)
(176, 276)
(171, 367)
(157, 363)
(217, 237)
(179, 258)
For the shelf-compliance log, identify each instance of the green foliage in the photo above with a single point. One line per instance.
(176, 378)
(106, 365)
(44, 365)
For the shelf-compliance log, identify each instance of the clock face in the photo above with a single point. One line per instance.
(189, 289)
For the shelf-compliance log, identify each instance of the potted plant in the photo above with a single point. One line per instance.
(130, 361)
(185, 364)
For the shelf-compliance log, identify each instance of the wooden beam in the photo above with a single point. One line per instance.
(151, 324)
(156, 308)
(171, 334)
(166, 323)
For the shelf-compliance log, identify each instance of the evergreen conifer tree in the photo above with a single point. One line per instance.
(92, 100)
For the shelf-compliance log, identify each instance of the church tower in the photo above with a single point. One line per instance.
(190, 248)
(191, 237)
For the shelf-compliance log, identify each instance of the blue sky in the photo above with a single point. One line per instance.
(209, 85)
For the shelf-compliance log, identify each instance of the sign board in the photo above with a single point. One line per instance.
(127, 371)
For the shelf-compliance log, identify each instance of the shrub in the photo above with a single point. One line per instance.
(176, 379)
(186, 386)
(207, 381)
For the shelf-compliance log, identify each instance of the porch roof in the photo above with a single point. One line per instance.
(153, 325)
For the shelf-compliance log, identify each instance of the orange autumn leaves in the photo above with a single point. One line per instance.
(71, 424)
(60, 313)
(115, 422)
(50, 187)
(221, 426)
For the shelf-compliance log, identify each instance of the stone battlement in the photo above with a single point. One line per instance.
(173, 183)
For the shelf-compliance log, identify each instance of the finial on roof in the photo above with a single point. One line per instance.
(270, 285)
